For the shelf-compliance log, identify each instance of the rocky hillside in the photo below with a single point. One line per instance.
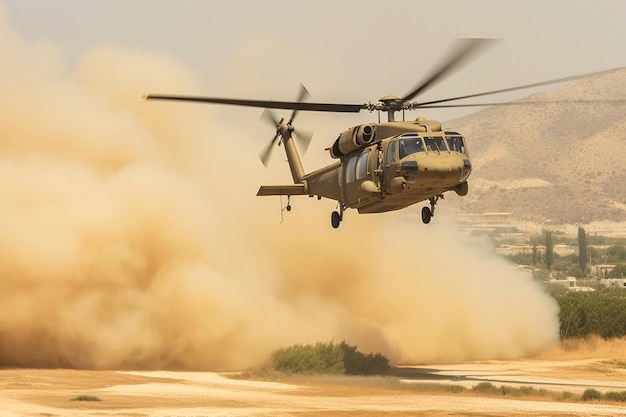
(549, 159)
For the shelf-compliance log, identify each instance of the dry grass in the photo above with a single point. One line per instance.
(589, 347)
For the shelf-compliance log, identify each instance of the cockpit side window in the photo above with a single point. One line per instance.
(361, 165)
(410, 146)
(351, 168)
(391, 152)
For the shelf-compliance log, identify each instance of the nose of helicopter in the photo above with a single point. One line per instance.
(441, 171)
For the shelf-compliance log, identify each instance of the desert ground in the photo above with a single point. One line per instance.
(570, 367)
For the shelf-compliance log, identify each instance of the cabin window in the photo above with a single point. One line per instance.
(350, 168)
(410, 146)
(391, 152)
(435, 143)
(456, 143)
(361, 165)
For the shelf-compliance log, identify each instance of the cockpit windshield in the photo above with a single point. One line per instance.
(435, 143)
(456, 143)
(410, 146)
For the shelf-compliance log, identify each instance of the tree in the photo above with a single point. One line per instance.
(583, 254)
(618, 272)
(549, 258)
(616, 254)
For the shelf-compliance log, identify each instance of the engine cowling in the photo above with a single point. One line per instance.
(356, 137)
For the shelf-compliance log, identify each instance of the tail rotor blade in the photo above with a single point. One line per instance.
(303, 95)
(265, 155)
(270, 117)
(293, 116)
(304, 139)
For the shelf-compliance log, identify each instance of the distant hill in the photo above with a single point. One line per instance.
(552, 161)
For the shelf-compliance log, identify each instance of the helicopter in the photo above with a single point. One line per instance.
(382, 166)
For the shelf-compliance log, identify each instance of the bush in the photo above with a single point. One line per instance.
(357, 363)
(529, 391)
(566, 396)
(321, 358)
(591, 394)
(486, 388)
(328, 359)
(615, 396)
(86, 398)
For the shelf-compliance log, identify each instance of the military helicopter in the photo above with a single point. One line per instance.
(383, 166)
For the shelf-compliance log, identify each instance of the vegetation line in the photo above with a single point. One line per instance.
(86, 398)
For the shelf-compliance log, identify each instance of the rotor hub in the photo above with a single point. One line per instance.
(284, 129)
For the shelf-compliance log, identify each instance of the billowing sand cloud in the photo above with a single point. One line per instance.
(131, 240)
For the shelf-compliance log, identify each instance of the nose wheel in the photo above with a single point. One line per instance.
(426, 215)
(429, 212)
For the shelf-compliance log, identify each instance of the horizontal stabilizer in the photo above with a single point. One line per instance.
(294, 189)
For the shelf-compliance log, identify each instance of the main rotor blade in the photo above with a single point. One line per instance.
(521, 87)
(265, 155)
(287, 105)
(521, 103)
(464, 49)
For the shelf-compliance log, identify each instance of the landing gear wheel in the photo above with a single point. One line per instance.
(335, 219)
(426, 215)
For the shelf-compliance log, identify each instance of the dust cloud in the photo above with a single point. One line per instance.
(132, 238)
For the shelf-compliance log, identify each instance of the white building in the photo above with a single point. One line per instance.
(571, 283)
(614, 282)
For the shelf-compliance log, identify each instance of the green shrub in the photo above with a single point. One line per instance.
(591, 394)
(328, 359)
(357, 363)
(507, 390)
(454, 389)
(321, 358)
(486, 388)
(615, 396)
(528, 391)
(86, 398)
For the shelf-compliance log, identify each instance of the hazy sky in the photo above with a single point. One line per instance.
(351, 51)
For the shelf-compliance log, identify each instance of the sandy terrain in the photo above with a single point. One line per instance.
(36, 392)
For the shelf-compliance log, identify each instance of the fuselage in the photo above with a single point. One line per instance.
(405, 163)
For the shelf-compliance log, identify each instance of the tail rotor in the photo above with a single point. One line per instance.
(284, 130)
